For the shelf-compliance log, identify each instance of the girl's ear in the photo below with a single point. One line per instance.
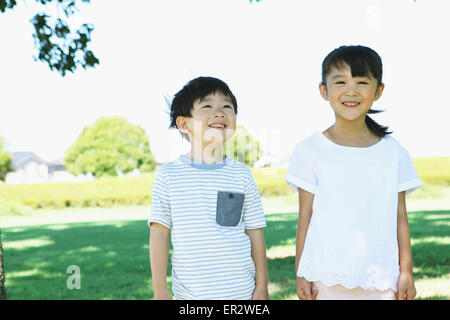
(182, 124)
(323, 91)
(379, 92)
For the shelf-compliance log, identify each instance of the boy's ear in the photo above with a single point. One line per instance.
(379, 92)
(323, 91)
(182, 124)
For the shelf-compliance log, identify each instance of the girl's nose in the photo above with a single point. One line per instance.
(352, 89)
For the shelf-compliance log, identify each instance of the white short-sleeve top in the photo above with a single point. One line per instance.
(352, 236)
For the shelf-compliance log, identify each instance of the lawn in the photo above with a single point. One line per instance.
(112, 253)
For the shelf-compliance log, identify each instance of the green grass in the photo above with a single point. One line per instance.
(114, 261)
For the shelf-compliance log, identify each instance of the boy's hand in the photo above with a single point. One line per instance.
(260, 293)
(405, 287)
(162, 294)
(304, 289)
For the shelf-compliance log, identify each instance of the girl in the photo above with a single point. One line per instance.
(353, 237)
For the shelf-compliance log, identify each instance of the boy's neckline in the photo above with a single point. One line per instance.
(330, 142)
(205, 166)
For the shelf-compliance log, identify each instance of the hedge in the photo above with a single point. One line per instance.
(105, 192)
(127, 191)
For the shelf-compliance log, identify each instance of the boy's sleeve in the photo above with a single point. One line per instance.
(160, 209)
(301, 171)
(253, 213)
(408, 179)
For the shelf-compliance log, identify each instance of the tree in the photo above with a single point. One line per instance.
(243, 147)
(109, 146)
(60, 47)
(5, 162)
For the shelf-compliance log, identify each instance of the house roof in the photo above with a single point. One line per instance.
(20, 158)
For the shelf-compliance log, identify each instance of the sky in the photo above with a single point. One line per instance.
(270, 54)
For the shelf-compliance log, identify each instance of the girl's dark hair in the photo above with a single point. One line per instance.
(198, 88)
(363, 62)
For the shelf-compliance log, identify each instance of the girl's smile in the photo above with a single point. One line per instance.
(350, 97)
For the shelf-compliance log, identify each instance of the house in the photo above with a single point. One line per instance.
(30, 168)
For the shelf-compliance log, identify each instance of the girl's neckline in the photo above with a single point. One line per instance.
(328, 141)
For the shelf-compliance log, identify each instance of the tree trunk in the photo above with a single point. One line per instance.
(2, 274)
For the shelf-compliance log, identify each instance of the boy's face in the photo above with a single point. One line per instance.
(350, 97)
(213, 120)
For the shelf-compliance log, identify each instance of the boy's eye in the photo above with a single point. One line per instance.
(339, 82)
(207, 106)
(362, 82)
(227, 106)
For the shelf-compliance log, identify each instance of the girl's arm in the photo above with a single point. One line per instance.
(159, 257)
(305, 198)
(259, 257)
(406, 288)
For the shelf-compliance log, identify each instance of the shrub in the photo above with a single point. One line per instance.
(130, 191)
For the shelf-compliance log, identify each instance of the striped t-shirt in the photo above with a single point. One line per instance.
(207, 207)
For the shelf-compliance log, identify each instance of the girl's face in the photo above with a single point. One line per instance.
(350, 97)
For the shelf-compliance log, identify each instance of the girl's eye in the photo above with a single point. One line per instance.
(227, 106)
(339, 82)
(363, 82)
(207, 106)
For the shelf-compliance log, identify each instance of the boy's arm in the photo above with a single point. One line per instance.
(159, 257)
(406, 288)
(259, 257)
(305, 198)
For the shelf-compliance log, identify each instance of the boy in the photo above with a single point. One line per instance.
(209, 204)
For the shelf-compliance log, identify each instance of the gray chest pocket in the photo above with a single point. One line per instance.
(229, 208)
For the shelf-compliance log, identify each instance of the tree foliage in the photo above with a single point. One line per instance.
(243, 147)
(61, 47)
(109, 146)
(5, 162)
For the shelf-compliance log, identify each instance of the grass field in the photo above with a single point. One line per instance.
(110, 246)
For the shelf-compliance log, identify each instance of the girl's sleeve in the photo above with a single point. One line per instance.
(160, 209)
(301, 171)
(408, 179)
(253, 213)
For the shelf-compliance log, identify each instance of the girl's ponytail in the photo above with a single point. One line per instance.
(376, 128)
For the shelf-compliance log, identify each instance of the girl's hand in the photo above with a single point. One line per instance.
(405, 287)
(260, 293)
(162, 294)
(304, 289)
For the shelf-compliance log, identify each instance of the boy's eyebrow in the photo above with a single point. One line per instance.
(209, 99)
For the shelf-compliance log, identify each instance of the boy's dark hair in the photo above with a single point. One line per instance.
(198, 88)
(363, 62)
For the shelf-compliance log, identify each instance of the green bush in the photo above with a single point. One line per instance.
(105, 192)
(131, 191)
(434, 171)
(8, 207)
(270, 182)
